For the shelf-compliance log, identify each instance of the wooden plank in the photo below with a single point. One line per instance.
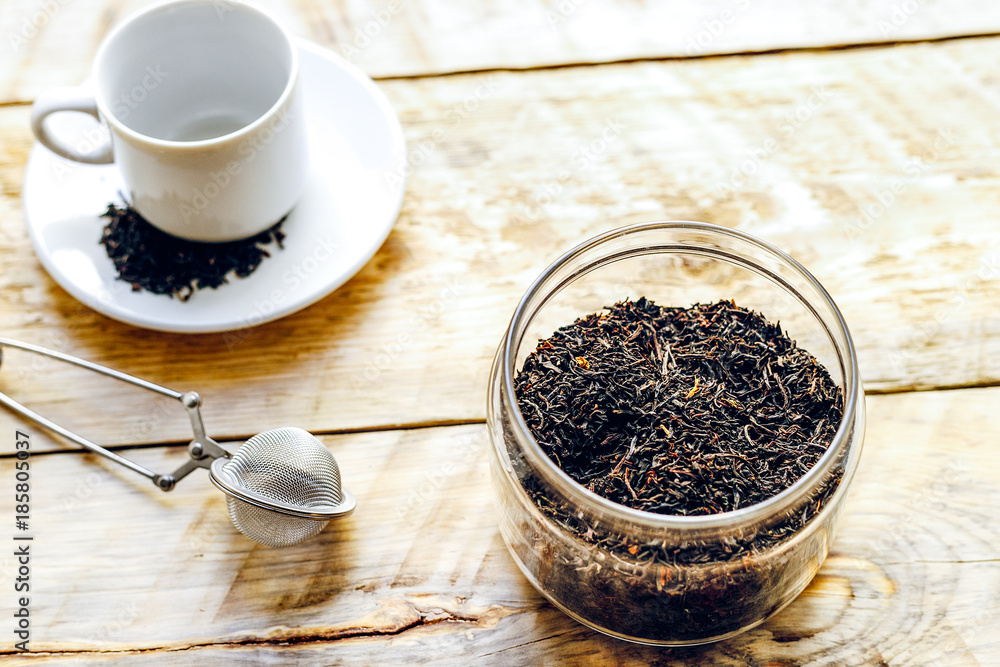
(508, 170)
(50, 43)
(419, 574)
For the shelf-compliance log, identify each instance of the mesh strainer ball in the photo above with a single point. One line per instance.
(282, 487)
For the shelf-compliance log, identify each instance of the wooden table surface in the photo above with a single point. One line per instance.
(861, 136)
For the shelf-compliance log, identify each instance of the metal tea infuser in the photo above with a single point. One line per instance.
(282, 486)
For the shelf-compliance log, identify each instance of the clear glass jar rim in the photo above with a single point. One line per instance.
(743, 517)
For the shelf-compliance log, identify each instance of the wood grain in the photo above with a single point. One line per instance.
(418, 574)
(798, 149)
(52, 43)
(874, 167)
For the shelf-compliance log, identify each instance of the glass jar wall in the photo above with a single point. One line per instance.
(654, 578)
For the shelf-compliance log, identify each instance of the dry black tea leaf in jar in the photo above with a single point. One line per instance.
(679, 411)
(152, 260)
(676, 411)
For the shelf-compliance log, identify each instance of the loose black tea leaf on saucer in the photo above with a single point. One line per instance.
(679, 411)
(152, 260)
(676, 411)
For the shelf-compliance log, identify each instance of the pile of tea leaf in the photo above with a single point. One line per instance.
(683, 411)
(152, 260)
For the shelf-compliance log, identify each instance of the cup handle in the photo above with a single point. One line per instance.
(68, 99)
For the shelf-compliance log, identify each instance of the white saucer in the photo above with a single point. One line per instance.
(349, 207)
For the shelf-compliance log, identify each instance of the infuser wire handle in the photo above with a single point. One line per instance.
(202, 449)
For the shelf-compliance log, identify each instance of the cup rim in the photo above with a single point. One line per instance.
(745, 516)
(247, 129)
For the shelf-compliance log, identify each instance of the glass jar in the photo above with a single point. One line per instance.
(653, 578)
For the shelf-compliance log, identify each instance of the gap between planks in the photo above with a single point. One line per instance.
(920, 388)
(646, 59)
(416, 426)
(444, 423)
(854, 46)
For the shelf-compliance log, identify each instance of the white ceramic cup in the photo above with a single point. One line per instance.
(207, 126)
